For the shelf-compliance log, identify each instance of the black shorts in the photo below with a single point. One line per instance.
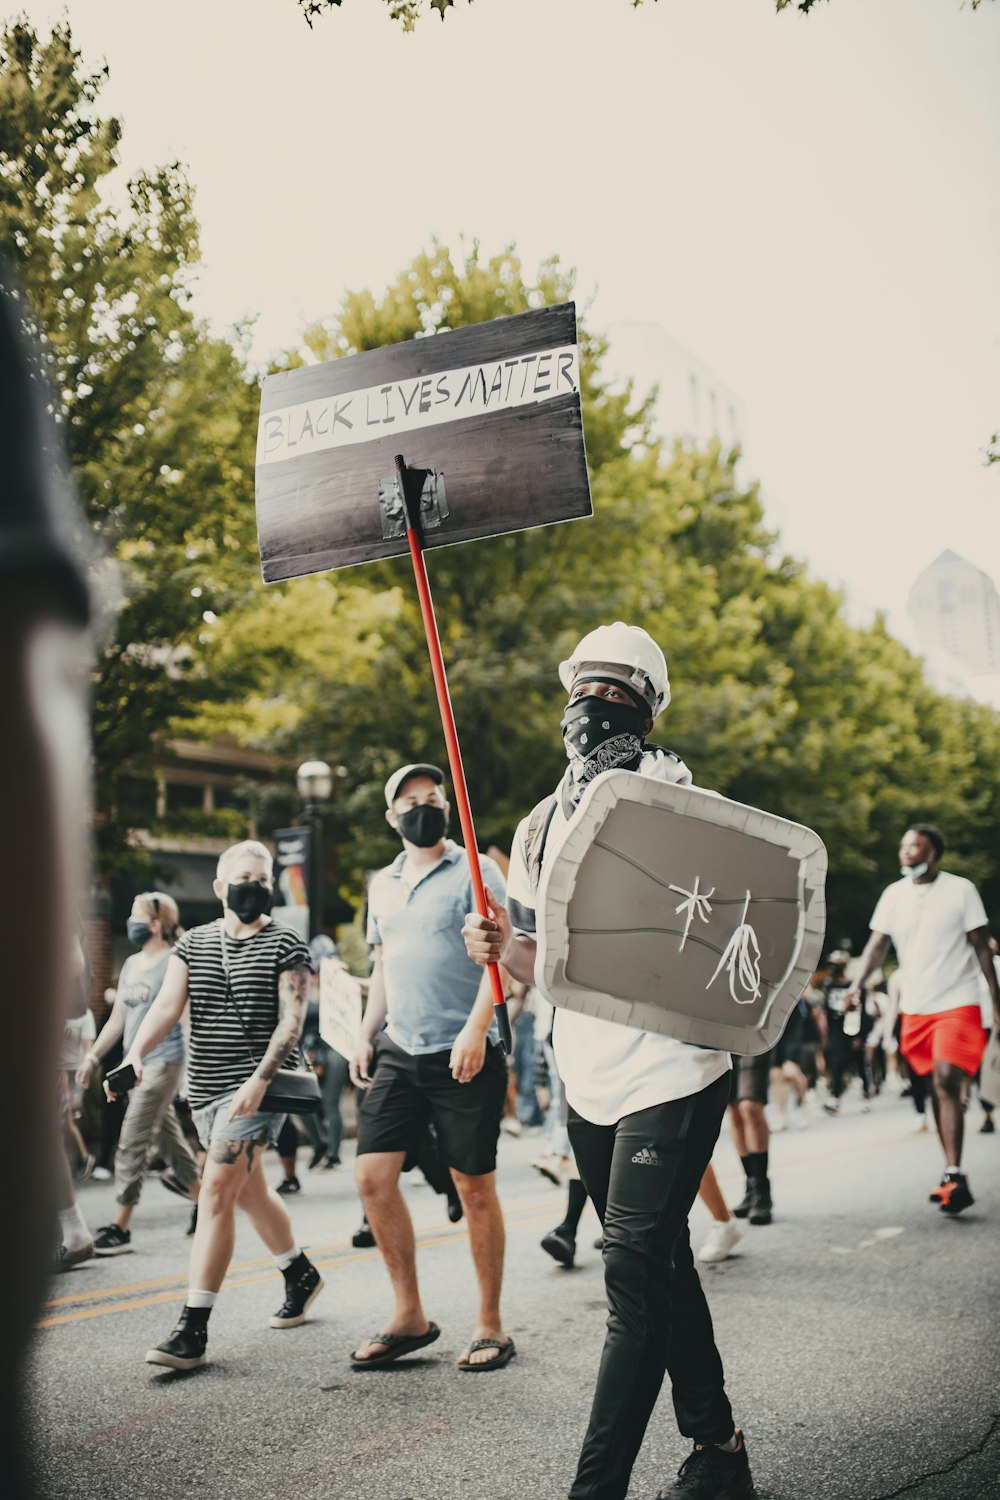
(748, 1079)
(409, 1091)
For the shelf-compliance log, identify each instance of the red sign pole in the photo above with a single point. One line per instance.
(415, 540)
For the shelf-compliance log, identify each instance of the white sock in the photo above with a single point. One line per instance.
(195, 1298)
(284, 1261)
(73, 1228)
(953, 1169)
(732, 1444)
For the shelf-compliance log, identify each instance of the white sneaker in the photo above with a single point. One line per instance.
(510, 1125)
(101, 1174)
(720, 1241)
(919, 1124)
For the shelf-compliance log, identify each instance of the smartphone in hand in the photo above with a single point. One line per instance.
(120, 1080)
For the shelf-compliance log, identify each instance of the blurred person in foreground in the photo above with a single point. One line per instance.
(44, 752)
(246, 978)
(937, 924)
(644, 1114)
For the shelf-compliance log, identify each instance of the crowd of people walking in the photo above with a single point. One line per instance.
(226, 1016)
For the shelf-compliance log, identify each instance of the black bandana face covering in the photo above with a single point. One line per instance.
(424, 826)
(600, 736)
(248, 900)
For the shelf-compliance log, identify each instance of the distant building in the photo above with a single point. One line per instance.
(691, 402)
(955, 610)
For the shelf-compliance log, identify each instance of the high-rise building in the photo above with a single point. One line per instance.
(955, 608)
(691, 401)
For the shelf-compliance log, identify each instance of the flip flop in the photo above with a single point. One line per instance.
(396, 1345)
(507, 1352)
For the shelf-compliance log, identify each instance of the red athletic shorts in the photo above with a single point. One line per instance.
(952, 1036)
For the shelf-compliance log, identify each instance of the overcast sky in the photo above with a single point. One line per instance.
(809, 204)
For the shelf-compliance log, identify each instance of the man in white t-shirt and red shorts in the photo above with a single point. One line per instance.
(644, 1114)
(937, 924)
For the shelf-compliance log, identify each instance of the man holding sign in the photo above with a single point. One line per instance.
(645, 1112)
(437, 1060)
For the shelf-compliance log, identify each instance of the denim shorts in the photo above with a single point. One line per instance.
(212, 1123)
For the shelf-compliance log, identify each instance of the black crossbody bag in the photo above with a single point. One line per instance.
(291, 1091)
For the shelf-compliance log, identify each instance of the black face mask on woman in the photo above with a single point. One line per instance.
(424, 826)
(249, 900)
(138, 930)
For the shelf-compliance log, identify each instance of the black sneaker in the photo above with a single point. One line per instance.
(192, 1222)
(953, 1195)
(708, 1473)
(560, 1245)
(303, 1284)
(987, 1127)
(760, 1201)
(743, 1208)
(173, 1184)
(185, 1348)
(288, 1185)
(317, 1158)
(112, 1241)
(455, 1209)
(363, 1239)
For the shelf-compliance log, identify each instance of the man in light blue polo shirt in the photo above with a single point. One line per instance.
(428, 1052)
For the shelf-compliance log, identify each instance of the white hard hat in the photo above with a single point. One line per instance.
(623, 653)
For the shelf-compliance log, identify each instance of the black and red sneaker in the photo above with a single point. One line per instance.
(953, 1195)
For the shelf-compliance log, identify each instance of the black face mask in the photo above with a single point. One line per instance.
(249, 900)
(424, 826)
(611, 731)
(138, 931)
(600, 736)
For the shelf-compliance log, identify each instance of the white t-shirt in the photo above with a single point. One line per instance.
(610, 1070)
(929, 924)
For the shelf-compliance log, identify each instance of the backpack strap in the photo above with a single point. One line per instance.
(539, 822)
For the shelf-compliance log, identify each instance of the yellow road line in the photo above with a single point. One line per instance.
(84, 1314)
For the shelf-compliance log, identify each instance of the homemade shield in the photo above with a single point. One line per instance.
(673, 910)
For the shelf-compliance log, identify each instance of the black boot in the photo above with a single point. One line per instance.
(303, 1284)
(185, 1348)
(760, 1201)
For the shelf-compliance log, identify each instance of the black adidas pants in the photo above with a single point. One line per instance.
(643, 1175)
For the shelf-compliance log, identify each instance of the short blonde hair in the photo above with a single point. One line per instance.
(159, 904)
(249, 848)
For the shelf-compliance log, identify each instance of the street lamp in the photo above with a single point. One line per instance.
(314, 780)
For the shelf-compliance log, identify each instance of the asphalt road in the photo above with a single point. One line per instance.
(859, 1333)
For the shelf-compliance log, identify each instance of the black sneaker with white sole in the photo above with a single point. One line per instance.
(185, 1348)
(303, 1284)
(112, 1241)
(709, 1473)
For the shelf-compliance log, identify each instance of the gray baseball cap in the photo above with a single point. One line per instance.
(394, 785)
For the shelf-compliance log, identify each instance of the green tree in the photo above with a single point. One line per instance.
(158, 416)
(778, 701)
